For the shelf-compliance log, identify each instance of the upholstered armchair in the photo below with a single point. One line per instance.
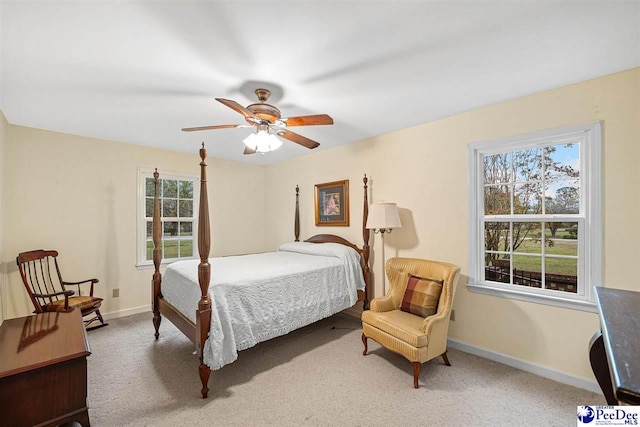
(413, 318)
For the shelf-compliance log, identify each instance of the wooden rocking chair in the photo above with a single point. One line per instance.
(49, 293)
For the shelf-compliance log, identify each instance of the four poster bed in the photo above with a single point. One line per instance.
(252, 298)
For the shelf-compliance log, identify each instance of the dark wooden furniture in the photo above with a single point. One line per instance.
(615, 350)
(199, 331)
(48, 292)
(43, 370)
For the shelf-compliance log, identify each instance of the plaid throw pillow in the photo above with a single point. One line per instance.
(421, 296)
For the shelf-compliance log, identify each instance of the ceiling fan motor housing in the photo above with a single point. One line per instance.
(265, 112)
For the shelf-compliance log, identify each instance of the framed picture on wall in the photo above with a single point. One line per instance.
(332, 203)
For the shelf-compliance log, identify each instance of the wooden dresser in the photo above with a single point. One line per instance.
(614, 351)
(43, 370)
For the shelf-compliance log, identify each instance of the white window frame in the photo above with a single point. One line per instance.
(143, 174)
(590, 259)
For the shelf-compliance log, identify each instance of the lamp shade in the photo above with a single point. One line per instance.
(262, 141)
(383, 216)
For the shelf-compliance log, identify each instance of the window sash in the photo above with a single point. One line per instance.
(543, 255)
(144, 240)
(589, 218)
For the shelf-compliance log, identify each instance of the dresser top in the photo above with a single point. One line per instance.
(620, 323)
(32, 342)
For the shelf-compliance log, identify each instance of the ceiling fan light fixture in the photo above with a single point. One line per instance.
(269, 124)
(262, 142)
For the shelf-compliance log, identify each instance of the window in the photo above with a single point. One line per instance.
(535, 228)
(178, 196)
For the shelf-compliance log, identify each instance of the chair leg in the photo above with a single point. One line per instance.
(446, 359)
(100, 317)
(364, 341)
(416, 373)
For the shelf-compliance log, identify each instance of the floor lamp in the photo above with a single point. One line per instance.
(383, 218)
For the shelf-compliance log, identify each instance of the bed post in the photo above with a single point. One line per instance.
(365, 247)
(203, 314)
(157, 256)
(296, 223)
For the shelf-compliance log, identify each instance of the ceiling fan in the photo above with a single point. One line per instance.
(268, 123)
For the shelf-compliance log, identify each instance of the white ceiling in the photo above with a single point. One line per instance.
(139, 71)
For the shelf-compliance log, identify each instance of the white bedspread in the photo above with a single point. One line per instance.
(261, 296)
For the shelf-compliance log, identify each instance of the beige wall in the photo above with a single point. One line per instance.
(79, 196)
(424, 170)
(3, 208)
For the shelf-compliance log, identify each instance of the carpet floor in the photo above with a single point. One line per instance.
(314, 376)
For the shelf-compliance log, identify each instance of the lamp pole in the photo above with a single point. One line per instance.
(382, 232)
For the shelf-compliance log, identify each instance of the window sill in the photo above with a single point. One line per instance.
(148, 266)
(163, 263)
(529, 297)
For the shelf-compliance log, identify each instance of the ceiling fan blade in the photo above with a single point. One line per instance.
(298, 139)
(211, 127)
(237, 107)
(316, 119)
(248, 150)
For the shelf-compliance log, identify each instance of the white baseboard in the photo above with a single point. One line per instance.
(534, 368)
(127, 312)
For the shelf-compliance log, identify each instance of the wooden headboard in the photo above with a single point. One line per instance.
(331, 238)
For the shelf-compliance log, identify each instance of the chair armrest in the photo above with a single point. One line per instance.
(56, 294)
(432, 324)
(81, 282)
(437, 329)
(66, 294)
(93, 281)
(382, 304)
